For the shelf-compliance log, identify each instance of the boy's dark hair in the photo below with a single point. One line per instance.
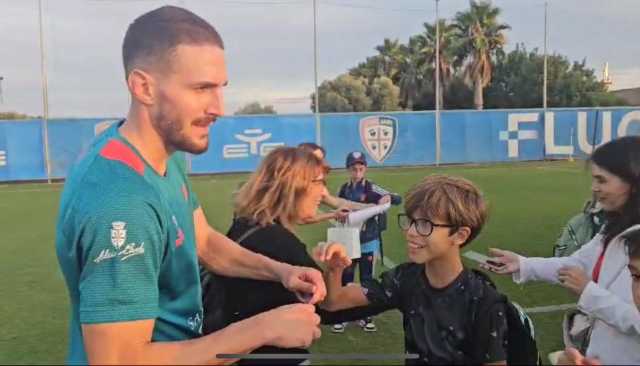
(153, 36)
(455, 200)
(632, 241)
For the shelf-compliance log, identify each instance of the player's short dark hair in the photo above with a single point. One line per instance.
(153, 36)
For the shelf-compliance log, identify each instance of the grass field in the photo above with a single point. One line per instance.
(530, 202)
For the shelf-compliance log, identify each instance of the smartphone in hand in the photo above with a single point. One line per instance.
(482, 259)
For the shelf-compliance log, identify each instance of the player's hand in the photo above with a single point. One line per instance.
(332, 255)
(307, 283)
(385, 199)
(291, 326)
(573, 278)
(502, 262)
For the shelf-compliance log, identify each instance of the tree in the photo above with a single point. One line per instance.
(385, 63)
(255, 108)
(390, 57)
(518, 81)
(384, 95)
(346, 93)
(448, 44)
(369, 69)
(411, 77)
(481, 37)
(14, 116)
(571, 84)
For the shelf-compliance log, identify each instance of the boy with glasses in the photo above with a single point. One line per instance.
(439, 298)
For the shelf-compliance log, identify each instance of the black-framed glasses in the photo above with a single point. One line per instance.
(424, 227)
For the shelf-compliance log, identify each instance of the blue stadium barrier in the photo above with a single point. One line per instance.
(238, 143)
(21, 151)
(389, 139)
(69, 140)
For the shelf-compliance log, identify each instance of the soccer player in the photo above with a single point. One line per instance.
(131, 232)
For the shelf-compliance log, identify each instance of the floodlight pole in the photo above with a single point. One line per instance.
(438, 106)
(546, 34)
(45, 95)
(315, 72)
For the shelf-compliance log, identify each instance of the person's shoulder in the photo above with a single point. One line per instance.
(109, 161)
(406, 272)
(482, 287)
(368, 184)
(281, 236)
(111, 176)
(272, 235)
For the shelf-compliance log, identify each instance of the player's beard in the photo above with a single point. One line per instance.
(174, 136)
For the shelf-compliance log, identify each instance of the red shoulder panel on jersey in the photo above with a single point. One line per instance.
(119, 151)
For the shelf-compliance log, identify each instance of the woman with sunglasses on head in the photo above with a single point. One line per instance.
(598, 271)
(285, 190)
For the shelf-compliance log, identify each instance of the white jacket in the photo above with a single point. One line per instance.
(615, 338)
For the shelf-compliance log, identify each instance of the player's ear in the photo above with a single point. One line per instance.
(141, 86)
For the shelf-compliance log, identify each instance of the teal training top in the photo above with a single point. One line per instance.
(125, 242)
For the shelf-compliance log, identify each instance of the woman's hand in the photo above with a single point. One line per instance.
(574, 279)
(574, 357)
(502, 262)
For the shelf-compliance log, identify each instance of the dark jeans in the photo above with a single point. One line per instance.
(365, 263)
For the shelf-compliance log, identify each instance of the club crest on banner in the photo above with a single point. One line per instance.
(379, 135)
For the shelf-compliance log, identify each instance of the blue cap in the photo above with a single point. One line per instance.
(355, 157)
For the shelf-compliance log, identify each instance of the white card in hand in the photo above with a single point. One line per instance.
(481, 258)
(347, 236)
(474, 256)
(357, 218)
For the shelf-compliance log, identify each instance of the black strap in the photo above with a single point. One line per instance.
(247, 234)
(205, 276)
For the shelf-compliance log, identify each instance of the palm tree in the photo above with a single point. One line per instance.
(410, 72)
(370, 69)
(389, 57)
(481, 36)
(448, 52)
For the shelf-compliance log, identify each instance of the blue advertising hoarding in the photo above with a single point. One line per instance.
(238, 143)
(21, 151)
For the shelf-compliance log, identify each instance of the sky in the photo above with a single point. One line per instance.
(269, 45)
